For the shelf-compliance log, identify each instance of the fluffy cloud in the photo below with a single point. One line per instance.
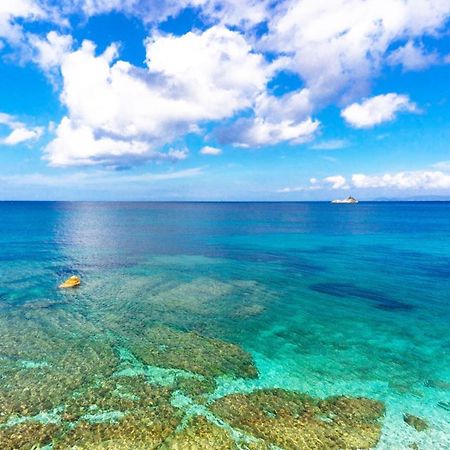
(177, 154)
(49, 52)
(118, 113)
(413, 180)
(18, 131)
(376, 110)
(12, 12)
(336, 182)
(22, 134)
(148, 11)
(424, 179)
(338, 46)
(116, 110)
(413, 57)
(77, 144)
(81, 146)
(216, 71)
(213, 151)
(234, 12)
(259, 132)
(332, 182)
(276, 119)
(226, 12)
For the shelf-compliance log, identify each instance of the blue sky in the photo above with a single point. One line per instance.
(224, 100)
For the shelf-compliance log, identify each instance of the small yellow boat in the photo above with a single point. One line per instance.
(71, 282)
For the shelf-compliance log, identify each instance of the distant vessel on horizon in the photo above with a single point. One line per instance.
(349, 199)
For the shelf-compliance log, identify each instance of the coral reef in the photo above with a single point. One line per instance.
(165, 347)
(196, 388)
(117, 414)
(28, 435)
(124, 394)
(199, 433)
(296, 421)
(28, 389)
(140, 430)
(245, 311)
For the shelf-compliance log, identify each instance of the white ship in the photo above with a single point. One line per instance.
(349, 199)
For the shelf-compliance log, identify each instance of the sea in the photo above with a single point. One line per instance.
(322, 299)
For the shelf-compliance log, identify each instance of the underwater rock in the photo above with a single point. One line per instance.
(43, 303)
(165, 347)
(66, 365)
(141, 430)
(202, 296)
(296, 421)
(196, 388)
(246, 311)
(438, 384)
(116, 394)
(199, 433)
(120, 414)
(27, 435)
(416, 422)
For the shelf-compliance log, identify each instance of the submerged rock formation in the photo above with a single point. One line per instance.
(415, 422)
(73, 387)
(165, 347)
(291, 420)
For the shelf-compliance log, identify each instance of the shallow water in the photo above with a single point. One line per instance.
(324, 299)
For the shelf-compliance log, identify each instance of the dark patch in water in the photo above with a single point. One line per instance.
(324, 249)
(43, 303)
(344, 290)
(437, 270)
(410, 261)
(444, 405)
(291, 262)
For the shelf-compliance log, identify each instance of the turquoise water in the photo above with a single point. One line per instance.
(326, 299)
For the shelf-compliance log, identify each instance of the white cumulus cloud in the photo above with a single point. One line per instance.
(117, 110)
(338, 46)
(413, 57)
(421, 179)
(50, 50)
(18, 131)
(218, 77)
(376, 110)
(259, 132)
(11, 14)
(336, 182)
(332, 182)
(208, 150)
(415, 180)
(228, 12)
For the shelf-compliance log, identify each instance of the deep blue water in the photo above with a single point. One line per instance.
(328, 299)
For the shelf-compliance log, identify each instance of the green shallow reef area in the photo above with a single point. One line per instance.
(66, 382)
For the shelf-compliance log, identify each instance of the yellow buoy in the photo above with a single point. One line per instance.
(71, 282)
